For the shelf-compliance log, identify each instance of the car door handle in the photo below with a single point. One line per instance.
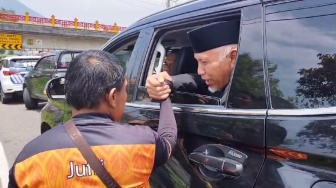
(222, 164)
(216, 161)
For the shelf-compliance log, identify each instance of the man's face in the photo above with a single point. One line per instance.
(215, 71)
(169, 62)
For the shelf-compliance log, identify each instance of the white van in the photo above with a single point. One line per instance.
(12, 72)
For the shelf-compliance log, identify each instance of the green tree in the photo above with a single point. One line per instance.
(317, 86)
(321, 134)
(248, 88)
(249, 76)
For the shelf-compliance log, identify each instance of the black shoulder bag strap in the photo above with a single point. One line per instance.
(89, 155)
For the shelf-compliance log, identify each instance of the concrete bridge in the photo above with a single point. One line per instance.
(26, 33)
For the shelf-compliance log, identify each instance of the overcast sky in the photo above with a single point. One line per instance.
(123, 12)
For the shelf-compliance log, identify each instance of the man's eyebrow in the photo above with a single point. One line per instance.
(202, 59)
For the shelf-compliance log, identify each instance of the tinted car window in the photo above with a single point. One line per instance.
(247, 89)
(65, 59)
(124, 55)
(40, 64)
(301, 54)
(45, 63)
(124, 50)
(49, 64)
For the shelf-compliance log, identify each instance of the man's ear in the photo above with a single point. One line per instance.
(111, 98)
(233, 56)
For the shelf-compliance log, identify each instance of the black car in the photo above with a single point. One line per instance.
(278, 125)
(49, 66)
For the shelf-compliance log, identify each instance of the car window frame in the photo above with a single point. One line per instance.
(5, 63)
(42, 60)
(185, 22)
(52, 64)
(2, 63)
(57, 62)
(286, 111)
(135, 60)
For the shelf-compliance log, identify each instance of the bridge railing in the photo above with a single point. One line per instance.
(53, 22)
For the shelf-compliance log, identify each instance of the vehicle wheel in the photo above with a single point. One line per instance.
(2, 96)
(29, 102)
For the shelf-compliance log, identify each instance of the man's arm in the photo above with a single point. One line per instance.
(191, 83)
(158, 90)
(166, 135)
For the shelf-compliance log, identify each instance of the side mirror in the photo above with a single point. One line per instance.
(54, 88)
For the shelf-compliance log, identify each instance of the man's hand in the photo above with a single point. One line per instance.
(156, 86)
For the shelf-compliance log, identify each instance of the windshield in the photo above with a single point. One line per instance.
(22, 63)
(66, 58)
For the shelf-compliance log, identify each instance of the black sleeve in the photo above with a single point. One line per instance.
(165, 138)
(11, 177)
(191, 83)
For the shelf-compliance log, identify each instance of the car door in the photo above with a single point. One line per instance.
(40, 75)
(212, 136)
(301, 48)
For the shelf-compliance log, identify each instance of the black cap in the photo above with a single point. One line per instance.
(214, 35)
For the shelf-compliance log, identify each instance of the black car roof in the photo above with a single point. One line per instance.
(178, 10)
(184, 8)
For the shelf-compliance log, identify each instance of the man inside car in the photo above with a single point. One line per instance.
(169, 61)
(215, 49)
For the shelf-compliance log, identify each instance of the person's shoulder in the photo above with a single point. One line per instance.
(138, 128)
(50, 140)
(139, 132)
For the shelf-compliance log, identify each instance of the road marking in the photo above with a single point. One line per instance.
(3, 167)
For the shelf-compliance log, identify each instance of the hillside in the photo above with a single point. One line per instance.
(17, 7)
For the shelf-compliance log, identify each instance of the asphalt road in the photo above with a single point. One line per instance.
(18, 126)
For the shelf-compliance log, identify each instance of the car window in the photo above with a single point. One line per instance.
(5, 63)
(46, 63)
(1, 64)
(50, 63)
(124, 53)
(124, 49)
(247, 89)
(22, 63)
(177, 41)
(66, 58)
(301, 54)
